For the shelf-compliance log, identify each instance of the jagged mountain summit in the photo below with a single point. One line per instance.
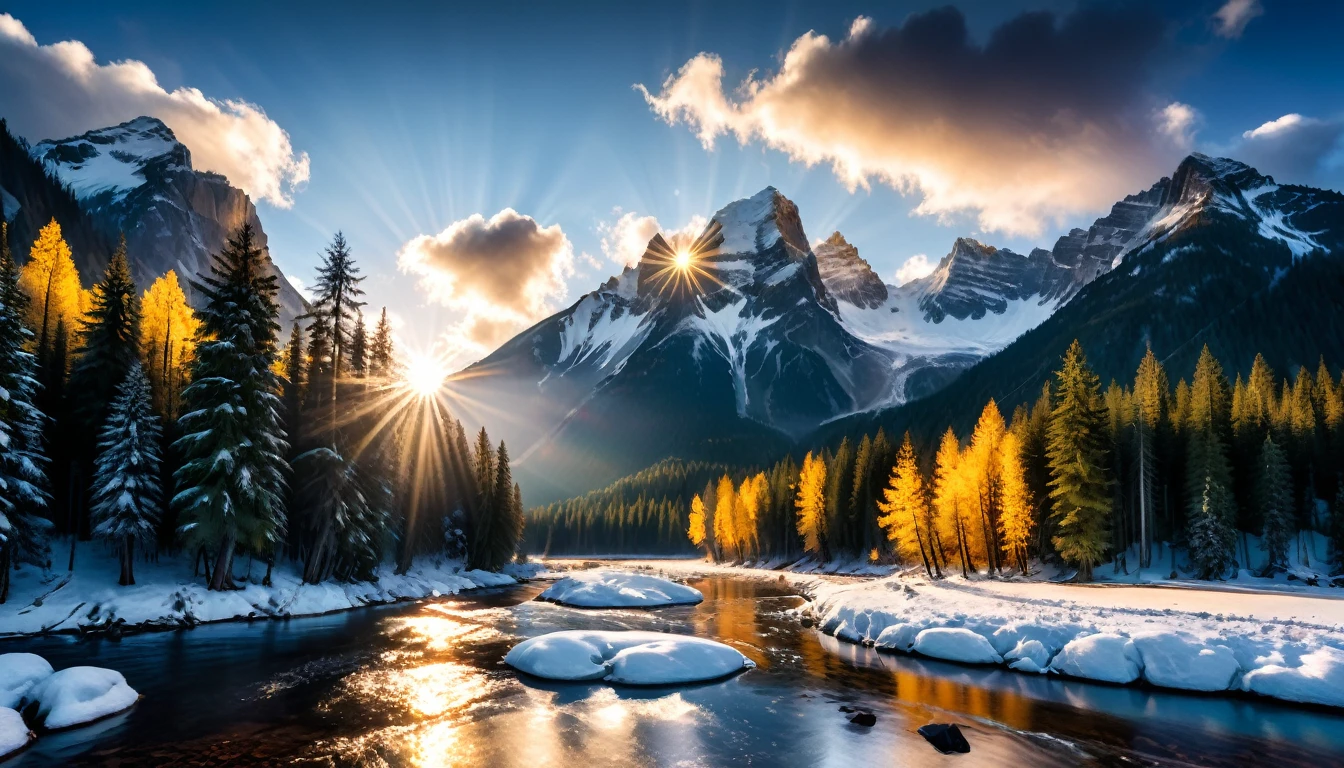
(136, 178)
(774, 339)
(1215, 254)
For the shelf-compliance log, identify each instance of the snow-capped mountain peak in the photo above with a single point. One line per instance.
(109, 163)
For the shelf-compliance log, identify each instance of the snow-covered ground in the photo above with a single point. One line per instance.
(1250, 635)
(626, 657)
(619, 589)
(166, 594)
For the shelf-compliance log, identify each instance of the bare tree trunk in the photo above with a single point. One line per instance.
(221, 577)
(127, 562)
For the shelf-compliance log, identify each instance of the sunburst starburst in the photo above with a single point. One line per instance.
(682, 268)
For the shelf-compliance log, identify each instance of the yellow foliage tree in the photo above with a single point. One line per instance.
(725, 517)
(52, 284)
(905, 510)
(954, 502)
(168, 338)
(697, 531)
(982, 474)
(1015, 521)
(811, 506)
(750, 498)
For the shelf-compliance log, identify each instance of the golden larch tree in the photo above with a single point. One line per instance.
(982, 473)
(1015, 518)
(50, 280)
(168, 338)
(725, 519)
(905, 509)
(697, 532)
(811, 506)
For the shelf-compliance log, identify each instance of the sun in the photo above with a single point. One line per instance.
(682, 260)
(681, 269)
(425, 374)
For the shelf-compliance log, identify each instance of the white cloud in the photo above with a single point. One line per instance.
(299, 286)
(915, 267)
(501, 274)
(59, 90)
(1177, 122)
(625, 239)
(1231, 19)
(1038, 124)
(1295, 148)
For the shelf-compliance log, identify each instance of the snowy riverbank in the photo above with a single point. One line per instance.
(1228, 637)
(166, 594)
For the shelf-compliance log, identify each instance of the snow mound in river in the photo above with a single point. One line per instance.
(14, 735)
(632, 658)
(79, 695)
(18, 673)
(617, 589)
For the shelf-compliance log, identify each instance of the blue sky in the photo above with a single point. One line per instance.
(415, 116)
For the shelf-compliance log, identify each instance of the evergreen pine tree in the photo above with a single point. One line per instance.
(839, 491)
(127, 490)
(1337, 528)
(1274, 497)
(109, 345)
(506, 522)
(1079, 483)
(359, 362)
(380, 351)
(23, 480)
(1211, 510)
(483, 465)
(231, 487)
(336, 295)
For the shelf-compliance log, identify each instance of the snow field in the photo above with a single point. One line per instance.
(626, 657)
(1282, 646)
(617, 589)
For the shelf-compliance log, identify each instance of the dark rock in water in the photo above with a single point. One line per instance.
(865, 719)
(945, 738)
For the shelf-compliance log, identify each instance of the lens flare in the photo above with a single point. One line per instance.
(425, 374)
(682, 268)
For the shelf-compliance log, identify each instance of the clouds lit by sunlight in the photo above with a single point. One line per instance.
(915, 267)
(502, 274)
(60, 90)
(1178, 121)
(625, 239)
(1050, 118)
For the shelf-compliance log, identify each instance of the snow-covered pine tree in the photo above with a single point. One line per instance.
(1079, 481)
(1274, 499)
(23, 480)
(231, 486)
(127, 490)
(1211, 538)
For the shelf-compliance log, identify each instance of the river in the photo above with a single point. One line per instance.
(423, 685)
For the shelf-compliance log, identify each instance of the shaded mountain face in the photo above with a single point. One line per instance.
(1227, 257)
(136, 178)
(848, 277)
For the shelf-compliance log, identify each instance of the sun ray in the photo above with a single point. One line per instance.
(682, 268)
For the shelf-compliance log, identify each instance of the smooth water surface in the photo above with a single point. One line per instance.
(424, 685)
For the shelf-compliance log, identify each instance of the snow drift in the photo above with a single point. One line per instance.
(78, 695)
(631, 658)
(14, 734)
(618, 589)
(18, 673)
(1274, 644)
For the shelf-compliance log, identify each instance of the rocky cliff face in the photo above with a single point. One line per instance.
(137, 179)
(848, 277)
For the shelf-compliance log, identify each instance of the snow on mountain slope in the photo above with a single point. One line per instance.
(136, 179)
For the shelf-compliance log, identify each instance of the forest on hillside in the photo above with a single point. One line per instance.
(1083, 475)
(160, 429)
